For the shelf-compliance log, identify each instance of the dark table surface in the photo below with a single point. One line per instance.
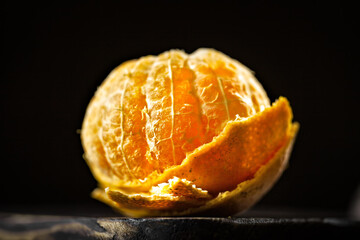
(89, 222)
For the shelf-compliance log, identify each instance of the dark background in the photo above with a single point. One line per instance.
(55, 55)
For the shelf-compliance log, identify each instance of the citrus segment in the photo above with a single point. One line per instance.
(92, 124)
(226, 90)
(173, 125)
(122, 124)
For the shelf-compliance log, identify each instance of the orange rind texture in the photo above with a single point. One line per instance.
(182, 134)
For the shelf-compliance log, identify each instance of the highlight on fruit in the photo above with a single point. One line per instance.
(185, 134)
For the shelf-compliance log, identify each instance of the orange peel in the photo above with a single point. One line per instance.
(164, 154)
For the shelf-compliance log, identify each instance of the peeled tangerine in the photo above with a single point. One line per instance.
(180, 134)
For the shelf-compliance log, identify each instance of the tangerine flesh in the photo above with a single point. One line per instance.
(200, 122)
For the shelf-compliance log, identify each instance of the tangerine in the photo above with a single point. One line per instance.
(178, 134)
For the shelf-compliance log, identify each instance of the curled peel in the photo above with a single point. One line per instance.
(250, 155)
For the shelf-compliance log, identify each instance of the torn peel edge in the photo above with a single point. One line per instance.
(249, 192)
(178, 194)
(226, 203)
(222, 150)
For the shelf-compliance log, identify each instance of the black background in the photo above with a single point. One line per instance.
(55, 55)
